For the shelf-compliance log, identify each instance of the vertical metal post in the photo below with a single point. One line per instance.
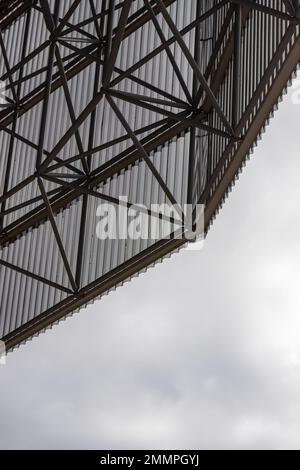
(81, 239)
(236, 65)
(48, 87)
(191, 170)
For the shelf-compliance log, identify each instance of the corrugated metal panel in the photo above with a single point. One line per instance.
(26, 298)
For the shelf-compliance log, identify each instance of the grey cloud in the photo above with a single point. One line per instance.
(201, 352)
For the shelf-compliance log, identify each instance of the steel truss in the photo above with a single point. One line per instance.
(73, 176)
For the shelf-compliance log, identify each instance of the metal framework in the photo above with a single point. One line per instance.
(93, 64)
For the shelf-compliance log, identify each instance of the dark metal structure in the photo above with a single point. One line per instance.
(159, 100)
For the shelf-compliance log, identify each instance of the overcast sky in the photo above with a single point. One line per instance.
(201, 352)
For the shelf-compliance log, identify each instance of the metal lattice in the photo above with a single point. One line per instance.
(103, 92)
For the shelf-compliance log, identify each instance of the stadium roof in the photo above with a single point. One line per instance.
(161, 101)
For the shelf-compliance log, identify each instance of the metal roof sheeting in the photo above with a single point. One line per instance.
(23, 299)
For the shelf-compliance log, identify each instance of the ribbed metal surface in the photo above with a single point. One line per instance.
(27, 298)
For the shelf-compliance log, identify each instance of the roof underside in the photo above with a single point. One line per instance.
(158, 101)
